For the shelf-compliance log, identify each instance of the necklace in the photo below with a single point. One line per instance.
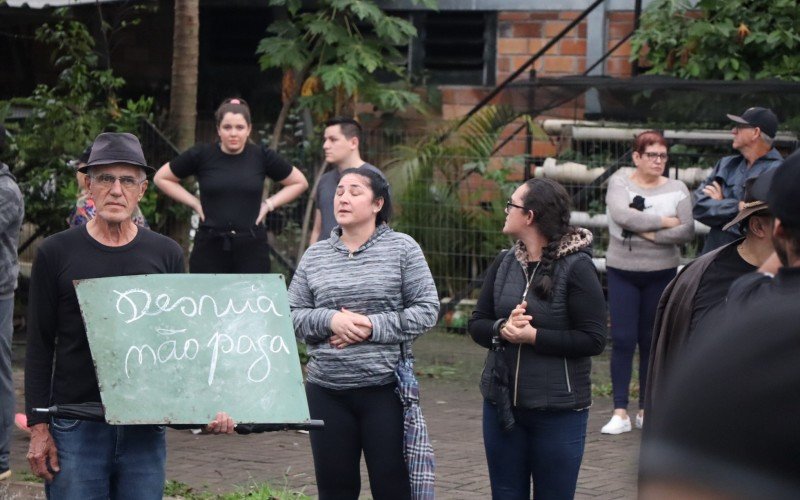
(529, 280)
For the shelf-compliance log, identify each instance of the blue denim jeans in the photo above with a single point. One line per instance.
(6, 381)
(544, 446)
(102, 461)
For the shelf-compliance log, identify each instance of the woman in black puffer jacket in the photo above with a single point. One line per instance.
(542, 314)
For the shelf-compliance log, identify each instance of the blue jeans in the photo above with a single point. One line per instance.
(544, 446)
(6, 381)
(102, 461)
(632, 301)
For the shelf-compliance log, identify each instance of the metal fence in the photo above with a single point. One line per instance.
(456, 213)
(452, 201)
(455, 208)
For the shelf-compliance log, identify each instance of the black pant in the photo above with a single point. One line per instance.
(369, 419)
(245, 252)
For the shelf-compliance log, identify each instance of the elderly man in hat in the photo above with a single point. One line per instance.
(725, 426)
(79, 458)
(701, 286)
(718, 198)
(83, 211)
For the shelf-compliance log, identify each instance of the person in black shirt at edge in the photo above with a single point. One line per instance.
(231, 173)
(542, 314)
(701, 286)
(728, 421)
(81, 458)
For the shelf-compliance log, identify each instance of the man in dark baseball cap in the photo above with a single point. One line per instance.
(762, 118)
(718, 199)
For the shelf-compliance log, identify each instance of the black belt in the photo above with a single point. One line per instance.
(229, 234)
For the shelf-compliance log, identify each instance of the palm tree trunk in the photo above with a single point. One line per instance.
(185, 54)
(183, 92)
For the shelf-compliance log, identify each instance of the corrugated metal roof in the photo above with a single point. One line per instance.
(40, 4)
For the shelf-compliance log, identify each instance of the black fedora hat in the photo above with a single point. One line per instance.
(114, 148)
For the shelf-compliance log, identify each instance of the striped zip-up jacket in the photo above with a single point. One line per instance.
(388, 280)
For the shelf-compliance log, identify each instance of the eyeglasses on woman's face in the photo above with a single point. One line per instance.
(510, 205)
(656, 156)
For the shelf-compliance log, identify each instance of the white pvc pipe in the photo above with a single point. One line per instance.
(583, 219)
(611, 131)
(576, 173)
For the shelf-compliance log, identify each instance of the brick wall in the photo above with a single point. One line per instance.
(618, 25)
(522, 34)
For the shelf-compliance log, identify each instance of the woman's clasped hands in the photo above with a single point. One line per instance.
(518, 329)
(349, 328)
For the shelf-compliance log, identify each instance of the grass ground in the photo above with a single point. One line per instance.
(455, 356)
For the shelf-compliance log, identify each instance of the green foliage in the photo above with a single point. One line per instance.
(63, 121)
(25, 476)
(597, 207)
(438, 371)
(455, 224)
(296, 146)
(345, 45)
(255, 491)
(730, 40)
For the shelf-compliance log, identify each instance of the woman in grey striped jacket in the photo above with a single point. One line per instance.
(356, 298)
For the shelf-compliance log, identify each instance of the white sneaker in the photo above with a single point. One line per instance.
(617, 425)
(639, 421)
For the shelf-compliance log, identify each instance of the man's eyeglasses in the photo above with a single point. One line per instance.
(510, 205)
(656, 156)
(108, 180)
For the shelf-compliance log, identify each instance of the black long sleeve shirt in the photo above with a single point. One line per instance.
(58, 365)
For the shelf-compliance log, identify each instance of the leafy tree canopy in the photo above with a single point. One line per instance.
(713, 39)
(63, 120)
(337, 51)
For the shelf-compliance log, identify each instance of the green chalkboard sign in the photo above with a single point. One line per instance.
(178, 348)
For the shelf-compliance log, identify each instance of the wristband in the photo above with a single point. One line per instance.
(499, 324)
(270, 205)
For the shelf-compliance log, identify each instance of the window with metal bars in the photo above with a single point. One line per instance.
(454, 47)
